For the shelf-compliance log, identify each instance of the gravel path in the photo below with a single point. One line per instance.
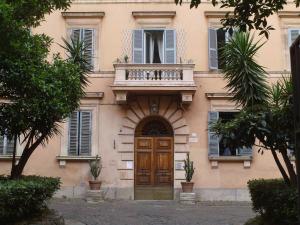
(78, 212)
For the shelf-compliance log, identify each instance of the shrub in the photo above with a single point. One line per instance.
(274, 201)
(26, 196)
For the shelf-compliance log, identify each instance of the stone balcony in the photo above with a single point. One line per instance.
(154, 79)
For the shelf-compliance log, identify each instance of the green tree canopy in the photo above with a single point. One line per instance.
(247, 14)
(37, 93)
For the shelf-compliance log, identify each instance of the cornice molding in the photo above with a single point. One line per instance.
(289, 14)
(83, 14)
(216, 14)
(154, 14)
(218, 95)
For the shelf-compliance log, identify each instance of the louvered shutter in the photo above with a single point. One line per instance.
(85, 132)
(73, 134)
(76, 34)
(138, 46)
(293, 35)
(89, 42)
(213, 139)
(245, 151)
(213, 49)
(9, 147)
(170, 46)
(1, 145)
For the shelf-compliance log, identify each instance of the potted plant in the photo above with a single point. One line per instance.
(189, 172)
(95, 169)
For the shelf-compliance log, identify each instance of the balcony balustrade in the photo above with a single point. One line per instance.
(147, 78)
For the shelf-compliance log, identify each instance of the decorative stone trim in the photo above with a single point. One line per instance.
(8, 157)
(289, 14)
(82, 14)
(63, 159)
(216, 14)
(214, 160)
(94, 95)
(218, 95)
(154, 14)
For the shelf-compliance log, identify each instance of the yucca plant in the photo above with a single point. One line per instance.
(75, 50)
(189, 168)
(96, 167)
(246, 79)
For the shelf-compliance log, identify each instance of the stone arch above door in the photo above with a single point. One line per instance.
(140, 107)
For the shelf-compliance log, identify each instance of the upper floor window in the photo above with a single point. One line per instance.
(80, 133)
(217, 38)
(87, 36)
(6, 146)
(216, 146)
(154, 46)
(293, 35)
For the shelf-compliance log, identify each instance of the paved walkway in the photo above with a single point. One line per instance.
(78, 212)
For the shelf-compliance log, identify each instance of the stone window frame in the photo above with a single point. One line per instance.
(63, 156)
(77, 20)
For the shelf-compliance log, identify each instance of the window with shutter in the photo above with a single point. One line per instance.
(138, 46)
(80, 133)
(88, 37)
(6, 146)
(293, 35)
(170, 46)
(85, 132)
(213, 139)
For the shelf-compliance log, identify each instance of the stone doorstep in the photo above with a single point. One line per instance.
(187, 198)
(95, 196)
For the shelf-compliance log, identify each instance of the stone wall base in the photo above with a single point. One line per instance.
(202, 194)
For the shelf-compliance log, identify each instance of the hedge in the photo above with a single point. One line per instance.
(274, 201)
(25, 197)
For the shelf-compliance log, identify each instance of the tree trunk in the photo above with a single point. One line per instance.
(290, 168)
(17, 170)
(280, 167)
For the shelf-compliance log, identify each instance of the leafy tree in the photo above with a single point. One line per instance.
(39, 93)
(247, 14)
(266, 119)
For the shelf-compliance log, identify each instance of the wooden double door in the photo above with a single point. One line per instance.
(154, 161)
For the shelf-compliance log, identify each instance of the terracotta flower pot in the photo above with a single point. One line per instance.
(95, 184)
(187, 186)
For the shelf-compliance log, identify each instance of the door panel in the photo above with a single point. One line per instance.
(163, 160)
(154, 161)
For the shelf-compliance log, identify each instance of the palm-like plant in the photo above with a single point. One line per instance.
(75, 50)
(246, 79)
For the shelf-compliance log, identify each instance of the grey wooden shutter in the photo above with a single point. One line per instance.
(76, 34)
(85, 132)
(245, 151)
(1, 145)
(213, 49)
(89, 42)
(73, 133)
(170, 46)
(9, 147)
(293, 34)
(138, 46)
(213, 139)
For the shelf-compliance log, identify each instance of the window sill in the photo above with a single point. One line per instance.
(8, 157)
(230, 158)
(214, 160)
(63, 159)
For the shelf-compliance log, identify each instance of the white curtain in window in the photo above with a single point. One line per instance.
(160, 47)
(152, 48)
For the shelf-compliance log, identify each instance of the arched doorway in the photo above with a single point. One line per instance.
(154, 159)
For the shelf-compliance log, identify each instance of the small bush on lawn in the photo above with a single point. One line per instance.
(24, 197)
(274, 201)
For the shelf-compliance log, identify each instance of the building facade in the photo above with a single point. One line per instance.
(154, 88)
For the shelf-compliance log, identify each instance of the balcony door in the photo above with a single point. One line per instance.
(154, 46)
(154, 160)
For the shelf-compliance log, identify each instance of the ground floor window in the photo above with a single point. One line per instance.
(80, 133)
(216, 146)
(6, 146)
